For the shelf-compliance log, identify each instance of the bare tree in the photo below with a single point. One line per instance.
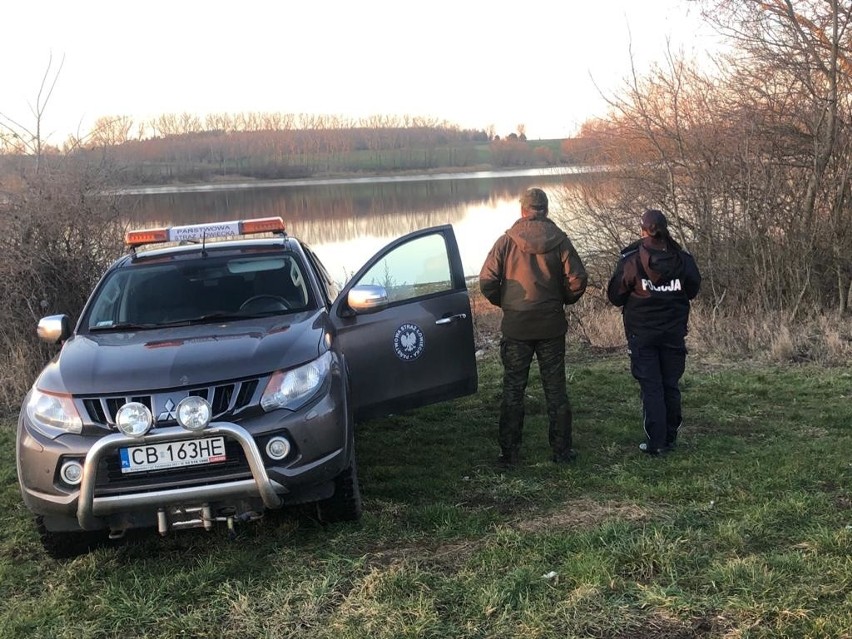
(806, 45)
(752, 162)
(31, 140)
(111, 130)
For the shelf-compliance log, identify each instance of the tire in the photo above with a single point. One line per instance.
(345, 503)
(65, 545)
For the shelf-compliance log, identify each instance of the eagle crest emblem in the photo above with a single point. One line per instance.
(408, 342)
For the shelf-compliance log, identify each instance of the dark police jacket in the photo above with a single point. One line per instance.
(654, 283)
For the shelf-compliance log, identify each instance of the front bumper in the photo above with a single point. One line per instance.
(321, 433)
(90, 509)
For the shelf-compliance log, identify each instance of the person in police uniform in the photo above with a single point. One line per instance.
(531, 273)
(653, 283)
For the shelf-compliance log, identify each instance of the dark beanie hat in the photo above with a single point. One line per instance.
(534, 200)
(655, 222)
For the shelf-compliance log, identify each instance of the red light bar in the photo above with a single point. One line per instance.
(262, 225)
(195, 232)
(150, 236)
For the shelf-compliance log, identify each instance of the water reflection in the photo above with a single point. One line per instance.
(346, 222)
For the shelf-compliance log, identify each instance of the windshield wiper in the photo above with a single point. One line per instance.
(223, 315)
(212, 317)
(123, 326)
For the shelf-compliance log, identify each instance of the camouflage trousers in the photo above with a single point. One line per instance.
(516, 356)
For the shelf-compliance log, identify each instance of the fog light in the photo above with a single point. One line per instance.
(193, 413)
(278, 448)
(71, 472)
(134, 419)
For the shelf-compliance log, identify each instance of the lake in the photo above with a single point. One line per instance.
(345, 221)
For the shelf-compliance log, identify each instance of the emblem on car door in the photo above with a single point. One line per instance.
(408, 342)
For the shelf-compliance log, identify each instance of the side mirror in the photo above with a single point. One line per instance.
(54, 329)
(367, 298)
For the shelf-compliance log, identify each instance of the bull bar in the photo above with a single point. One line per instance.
(90, 508)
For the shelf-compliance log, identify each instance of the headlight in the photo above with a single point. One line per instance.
(291, 389)
(193, 413)
(53, 413)
(134, 419)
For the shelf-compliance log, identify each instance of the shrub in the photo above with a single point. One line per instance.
(58, 232)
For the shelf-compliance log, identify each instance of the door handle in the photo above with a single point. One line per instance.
(451, 319)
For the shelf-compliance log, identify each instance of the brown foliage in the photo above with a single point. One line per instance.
(511, 152)
(752, 164)
(57, 234)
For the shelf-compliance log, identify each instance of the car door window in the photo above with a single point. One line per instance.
(414, 269)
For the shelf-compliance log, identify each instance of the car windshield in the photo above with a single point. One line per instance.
(192, 291)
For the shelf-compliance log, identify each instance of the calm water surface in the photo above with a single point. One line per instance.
(345, 221)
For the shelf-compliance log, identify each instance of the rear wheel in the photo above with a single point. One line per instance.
(65, 545)
(345, 503)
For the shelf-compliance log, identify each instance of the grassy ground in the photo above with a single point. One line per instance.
(744, 531)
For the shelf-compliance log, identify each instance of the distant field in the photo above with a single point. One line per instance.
(744, 531)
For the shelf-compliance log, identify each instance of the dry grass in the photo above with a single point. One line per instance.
(773, 338)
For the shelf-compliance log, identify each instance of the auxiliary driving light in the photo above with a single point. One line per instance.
(193, 413)
(278, 448)
(134, 419)
(71, 472)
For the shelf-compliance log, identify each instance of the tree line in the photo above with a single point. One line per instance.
(187, 147)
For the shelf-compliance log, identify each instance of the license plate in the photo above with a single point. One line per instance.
(192, 452)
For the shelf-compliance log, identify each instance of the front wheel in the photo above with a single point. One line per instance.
(65, 545)
(345, 503)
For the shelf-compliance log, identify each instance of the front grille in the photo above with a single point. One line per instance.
(225, 400)
(111, 481)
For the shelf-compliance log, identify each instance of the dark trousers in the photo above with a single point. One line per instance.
(658, 369)
(516, 356)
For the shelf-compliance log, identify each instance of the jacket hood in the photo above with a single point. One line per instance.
(660, 261)
(536, 234)
(102, 363)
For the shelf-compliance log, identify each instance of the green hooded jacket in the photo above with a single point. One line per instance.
(531, 273)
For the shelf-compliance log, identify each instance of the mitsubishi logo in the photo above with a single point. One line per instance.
(168, 414)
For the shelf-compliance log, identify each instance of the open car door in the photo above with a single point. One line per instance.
(404, 325)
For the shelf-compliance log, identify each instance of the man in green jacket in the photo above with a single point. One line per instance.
(531, 273)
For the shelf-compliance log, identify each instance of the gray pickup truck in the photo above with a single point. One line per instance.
(220, 375)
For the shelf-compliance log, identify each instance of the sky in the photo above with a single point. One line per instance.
(543, 64)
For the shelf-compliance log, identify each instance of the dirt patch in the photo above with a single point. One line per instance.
(446, 557)
(842, 502)
(573, 515)
(582, 513)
